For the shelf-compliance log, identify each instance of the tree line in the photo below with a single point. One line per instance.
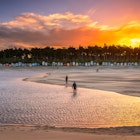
(81, 54)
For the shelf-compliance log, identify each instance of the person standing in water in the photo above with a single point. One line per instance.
(66, 79)
(74, 86)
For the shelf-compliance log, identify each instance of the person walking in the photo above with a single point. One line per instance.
(66, 80)
(74, 86)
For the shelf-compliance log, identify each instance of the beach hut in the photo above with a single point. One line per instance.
(94, 64)
(97, 64)
(43, 63)
(46, 64)
(77, 64)
(19, 64)
(91, 63)
(86, 64)
(103, 64)
(115, 64)
(135, 64)
(118, 64)
(68, 64)
(61, 64)
(53, 63)
(58, 64)
(125, 64)
(73, 63)
(82, 64)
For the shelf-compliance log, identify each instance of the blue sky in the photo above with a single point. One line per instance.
(11, 8)
(98, 9)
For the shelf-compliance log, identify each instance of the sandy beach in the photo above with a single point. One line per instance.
(121, 80)
(45, 133)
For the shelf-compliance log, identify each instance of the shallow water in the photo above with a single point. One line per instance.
(24, 102)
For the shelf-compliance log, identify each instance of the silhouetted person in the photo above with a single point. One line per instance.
(66, 79)
(74, 86)
(97, 70)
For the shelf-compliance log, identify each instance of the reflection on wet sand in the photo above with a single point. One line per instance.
(53, 105)
(74, 93)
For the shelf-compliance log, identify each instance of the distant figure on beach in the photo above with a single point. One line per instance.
(74, 86)
(66, 79)
(97, 70)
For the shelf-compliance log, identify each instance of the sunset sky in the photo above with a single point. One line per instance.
(63, 23)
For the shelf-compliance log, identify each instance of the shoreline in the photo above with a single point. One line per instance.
(96, 80)
(114, 79)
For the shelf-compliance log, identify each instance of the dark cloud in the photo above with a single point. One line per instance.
(31, 30)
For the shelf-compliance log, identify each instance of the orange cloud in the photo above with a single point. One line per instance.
(129, 34)
(32, 30)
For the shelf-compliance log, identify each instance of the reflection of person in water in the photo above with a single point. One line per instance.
(66, 79)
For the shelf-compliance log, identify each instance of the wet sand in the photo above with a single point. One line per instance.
(121, 80)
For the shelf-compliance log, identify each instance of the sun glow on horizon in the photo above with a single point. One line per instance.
(132, 42)
(66, 29)
(135, 42)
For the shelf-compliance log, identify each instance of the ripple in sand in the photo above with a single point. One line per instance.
(39, 104)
